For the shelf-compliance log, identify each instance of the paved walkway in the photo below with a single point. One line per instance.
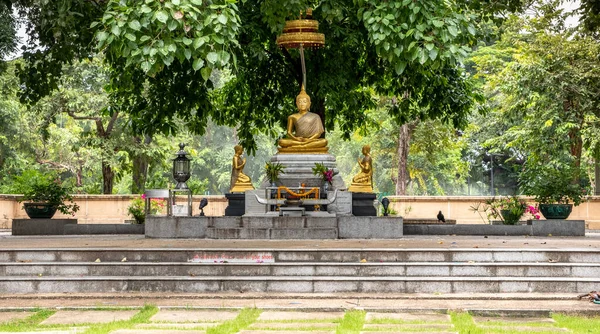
(186, 321)
(590, 241)
(523, 304)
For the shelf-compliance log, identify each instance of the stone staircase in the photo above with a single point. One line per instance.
(81, 270)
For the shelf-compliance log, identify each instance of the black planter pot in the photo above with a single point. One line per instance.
(556, 211)
(509, 217)
(39, 210)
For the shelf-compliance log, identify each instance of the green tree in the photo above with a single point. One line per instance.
(544, 82)
(408, 49)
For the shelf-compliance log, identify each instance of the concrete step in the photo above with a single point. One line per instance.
(378, 269)
(298, 284)
(340, 255)
(271, 233)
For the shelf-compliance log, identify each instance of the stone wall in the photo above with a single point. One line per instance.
(103, 209)
(96, 209)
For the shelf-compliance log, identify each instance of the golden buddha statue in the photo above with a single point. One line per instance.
(304, 130)
(363, 181)
(240, 182)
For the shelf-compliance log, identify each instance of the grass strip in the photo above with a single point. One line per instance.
(352, 322)
(143, 316)
(28, 324)
(246, 317)
(578, 324)
(516, 324)
(463, 323)
(303, 321)
(390, 321)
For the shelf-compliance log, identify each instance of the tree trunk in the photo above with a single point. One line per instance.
(402, 152)
(139, 171)
(139, 174)
(108, 177)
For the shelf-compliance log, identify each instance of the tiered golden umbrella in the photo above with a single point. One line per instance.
(300, 34)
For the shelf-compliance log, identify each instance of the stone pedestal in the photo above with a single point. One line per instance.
(237, 204)
(342, 205)
(40, 226)
(557, 227)
(298, 169)
(362, 204)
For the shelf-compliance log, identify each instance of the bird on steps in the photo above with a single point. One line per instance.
(440, 217)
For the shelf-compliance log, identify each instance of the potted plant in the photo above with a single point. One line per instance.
(137, 207)
(508, 209)
(44, 194)
(555, 187)
(272, 170)
(326, 175)
(512, 209)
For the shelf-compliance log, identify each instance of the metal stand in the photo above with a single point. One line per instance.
(159, 194)
(186, 209)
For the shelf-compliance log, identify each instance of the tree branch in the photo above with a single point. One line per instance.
(90, 118)
(112, 122)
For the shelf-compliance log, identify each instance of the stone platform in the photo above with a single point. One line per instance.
(318, 225)
(40, 226)
(298, 169)
(550, 227)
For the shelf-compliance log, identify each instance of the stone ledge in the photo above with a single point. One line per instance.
(554, 227)
(73, 229)
(429, 221)
(40, 226)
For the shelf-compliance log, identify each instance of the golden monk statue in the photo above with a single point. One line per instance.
(363, 181)
(304, 130)
(240, 182)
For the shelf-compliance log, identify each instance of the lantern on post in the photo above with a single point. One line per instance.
(181, 168)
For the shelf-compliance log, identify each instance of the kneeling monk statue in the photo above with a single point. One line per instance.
(304, 130)
(363, 181)
(240, 182)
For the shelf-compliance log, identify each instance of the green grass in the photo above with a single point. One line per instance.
(28, 324)
(143, 316)
(463, 323)
(578, 324)
(246, 317)
(352, 322)
(303, 321)
(299, 328)
(389, 321)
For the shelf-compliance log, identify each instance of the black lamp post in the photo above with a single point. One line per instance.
(181, 168)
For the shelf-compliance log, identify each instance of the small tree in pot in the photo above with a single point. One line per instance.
(555, 185)
(44, 194)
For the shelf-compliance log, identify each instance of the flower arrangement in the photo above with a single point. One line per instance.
(46, 188)
(136, 208)
(325, 173)
(272, 170)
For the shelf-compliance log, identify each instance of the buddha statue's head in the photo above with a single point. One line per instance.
(366, 149)
(303, 100)
(238, 149)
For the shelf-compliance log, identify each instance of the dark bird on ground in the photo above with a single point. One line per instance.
(440, 217)
(203, 203)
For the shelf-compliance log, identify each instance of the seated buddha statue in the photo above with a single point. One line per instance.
(240, 182)
(363, 181)
(304, 130)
